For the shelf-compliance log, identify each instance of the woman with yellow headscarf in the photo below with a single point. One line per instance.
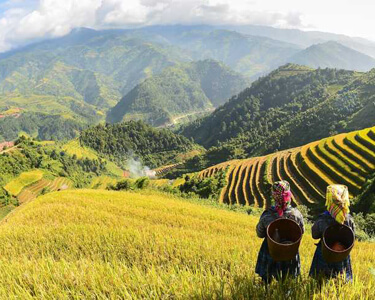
(337, 204)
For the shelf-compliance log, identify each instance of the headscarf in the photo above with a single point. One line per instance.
(337, 202)
(282, 195)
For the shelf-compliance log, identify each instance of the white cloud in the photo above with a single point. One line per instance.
(22, 21)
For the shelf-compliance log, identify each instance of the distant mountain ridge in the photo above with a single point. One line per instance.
(333, 55)
(83, 75)
(292, 106)
(250, 55)
(181, 89)
(305, 38)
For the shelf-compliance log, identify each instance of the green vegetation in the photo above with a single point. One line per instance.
(292, 106)
(32, 166)
(74, 148)
(149, 245)
(130, 184)
(78, 76)
(325, 55)
(198, 186)
(77, 79)
(135, 139)
(41, 126)
(246, 54)
(179, 90)
(309, 169)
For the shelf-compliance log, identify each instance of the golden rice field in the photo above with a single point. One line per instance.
(92, 244)
(15, 186)
(346, 158)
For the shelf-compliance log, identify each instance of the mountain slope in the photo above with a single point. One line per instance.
(305, 38)
(81, 75)
(333, 55)
(182, 89)
(39, 125)
(250, 55)
(136, 140)
(342, 159)
(292, 106)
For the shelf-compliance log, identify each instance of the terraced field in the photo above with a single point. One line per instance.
(15, 186)
(346, 158)
(33, 191)
(165, 169)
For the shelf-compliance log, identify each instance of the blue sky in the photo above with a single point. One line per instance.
(22, 21)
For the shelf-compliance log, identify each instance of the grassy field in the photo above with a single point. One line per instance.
(346, 158)
(15, 186)
(86, 244)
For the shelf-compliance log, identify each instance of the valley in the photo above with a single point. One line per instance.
(135, 162)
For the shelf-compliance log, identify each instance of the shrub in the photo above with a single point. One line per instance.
(142, 183)
(128, 184)
(209, 187)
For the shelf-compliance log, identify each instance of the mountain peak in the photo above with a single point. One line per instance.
(333, 54)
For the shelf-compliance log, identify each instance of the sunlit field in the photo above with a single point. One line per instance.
(99, 244)
(25, 179)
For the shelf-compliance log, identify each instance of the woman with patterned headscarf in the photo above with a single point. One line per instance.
(266, 267)
(337, 204)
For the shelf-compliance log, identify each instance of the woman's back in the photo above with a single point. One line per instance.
(271, 214)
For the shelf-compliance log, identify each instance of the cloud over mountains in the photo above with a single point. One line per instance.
(22, 21)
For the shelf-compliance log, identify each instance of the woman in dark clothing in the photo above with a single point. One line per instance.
(337, 203)
(266, 267)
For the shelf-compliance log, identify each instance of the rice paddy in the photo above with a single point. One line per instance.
(346, 158)
(15, 186)
(92, 244)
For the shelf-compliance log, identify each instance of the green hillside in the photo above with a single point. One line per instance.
(83, 75)
(135, 140)
(80, 75)
(40, 125)
(292, 106)
(306, 38)
(249, 55)
(341, 159)
(99, 244)
(179, 90)
(30, 168)
(333, 55)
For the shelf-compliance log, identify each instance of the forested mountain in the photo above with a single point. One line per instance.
(78, 78)
(290, 107)
(179, 90)
(40, 125)
(305, 38)
(137, 140)
(249, 55)
(333, 55)
(81, 74)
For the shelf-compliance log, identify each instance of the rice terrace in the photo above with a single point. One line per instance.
(176, 149)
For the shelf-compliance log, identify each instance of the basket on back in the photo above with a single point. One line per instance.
(338, 241)
(283, 238)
